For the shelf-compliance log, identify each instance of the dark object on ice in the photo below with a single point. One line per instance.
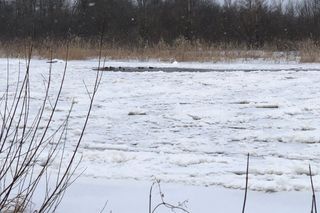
(122, 68)
(179, 69)
(137, 113)
(107, 68)
(110, 68)
(237, 127)
(267, 106)
(52, 62)
(241, 102)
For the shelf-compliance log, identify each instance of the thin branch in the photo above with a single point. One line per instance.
(163, 202)
(314, 202)
(246, 189)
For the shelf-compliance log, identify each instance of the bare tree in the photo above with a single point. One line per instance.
(251, 14)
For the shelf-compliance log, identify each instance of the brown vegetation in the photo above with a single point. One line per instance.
(181, 50)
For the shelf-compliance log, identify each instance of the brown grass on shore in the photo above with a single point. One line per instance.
(181, 50)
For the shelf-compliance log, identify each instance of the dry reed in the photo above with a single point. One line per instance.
(181, 50)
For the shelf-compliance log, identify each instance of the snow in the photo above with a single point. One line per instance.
(192, 129)
(132, 196)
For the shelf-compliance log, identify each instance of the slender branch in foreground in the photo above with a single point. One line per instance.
(180, 207)
(314, 202)
(246, 189)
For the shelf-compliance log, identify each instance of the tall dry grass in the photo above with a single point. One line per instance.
(181, 50)
(309, 52)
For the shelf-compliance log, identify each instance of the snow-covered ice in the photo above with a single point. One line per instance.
(87, 195)
(193, 128)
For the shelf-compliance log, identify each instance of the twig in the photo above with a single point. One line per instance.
(246, 189)
(150, 197)
(163, 202)
(85, 85)
(104, 207)
(314, 202)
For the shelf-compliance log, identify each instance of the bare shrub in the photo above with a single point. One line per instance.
(31, 142)
(180, 207)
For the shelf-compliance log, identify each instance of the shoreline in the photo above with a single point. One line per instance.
(90, 195)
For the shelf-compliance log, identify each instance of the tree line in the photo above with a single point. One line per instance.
(147, 22)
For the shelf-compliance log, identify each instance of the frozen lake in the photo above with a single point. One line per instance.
(194, 128)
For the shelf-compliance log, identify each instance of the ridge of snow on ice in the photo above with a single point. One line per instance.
(191, 127)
